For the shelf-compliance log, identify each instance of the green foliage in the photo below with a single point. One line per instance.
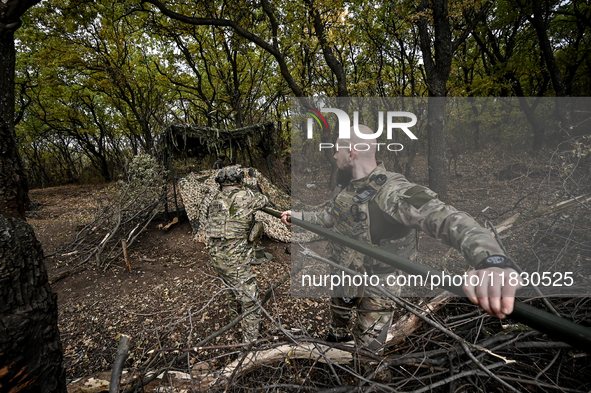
(97, 82)
(145, 170)
(143, 185)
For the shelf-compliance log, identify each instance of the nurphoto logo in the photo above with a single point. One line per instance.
(345, 128)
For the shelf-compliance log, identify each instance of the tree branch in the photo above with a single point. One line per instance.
(242, 32)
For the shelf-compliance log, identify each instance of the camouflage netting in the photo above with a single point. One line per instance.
(199, 189)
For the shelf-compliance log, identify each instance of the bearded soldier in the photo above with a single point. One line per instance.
(231, 218)
(384, 209)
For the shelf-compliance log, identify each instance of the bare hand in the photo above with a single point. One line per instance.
(492, 290)
(285, 217)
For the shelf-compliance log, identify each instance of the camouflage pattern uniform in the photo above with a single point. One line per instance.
(390, 219)
(231, 215)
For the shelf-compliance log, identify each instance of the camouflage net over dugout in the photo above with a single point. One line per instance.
(199, 189)
(204, 141)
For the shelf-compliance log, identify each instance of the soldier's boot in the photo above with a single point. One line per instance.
(373, 321)
(250, 327)
(338, 328)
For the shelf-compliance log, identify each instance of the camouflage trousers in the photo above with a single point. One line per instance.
(231, 259)
(373, 317)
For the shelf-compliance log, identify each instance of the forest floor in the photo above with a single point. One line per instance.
(172, 297)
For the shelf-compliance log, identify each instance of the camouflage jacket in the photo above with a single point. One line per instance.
(231, 213)
(392, 216)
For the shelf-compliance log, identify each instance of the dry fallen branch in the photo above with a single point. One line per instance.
(408, 323)
(122, 352)
(284, 353)
(170, 224)
(126, 255)
(66, 274)
(518, 219)
(533, 382)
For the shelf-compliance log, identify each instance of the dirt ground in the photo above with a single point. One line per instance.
(172, 298)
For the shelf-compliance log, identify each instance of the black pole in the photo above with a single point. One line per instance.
(560, 329)
(176, 205)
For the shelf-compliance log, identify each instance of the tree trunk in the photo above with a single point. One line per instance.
(30, 347)
(331, 60)
(13, 187)
(105, 172)
(437, 68)
(438, 54)
(541, 28)
(537, 126)
(148, 138)
(436, 142)
(555, 74)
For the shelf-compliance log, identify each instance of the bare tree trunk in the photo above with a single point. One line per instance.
(537, 126)
(30, 348)
(437, 63)
(541, 28)
(331, 60)
(438, 54)
(436, 142)
(13, 187)
(537, 20)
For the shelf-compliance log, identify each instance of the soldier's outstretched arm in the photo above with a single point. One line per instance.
(418, 207)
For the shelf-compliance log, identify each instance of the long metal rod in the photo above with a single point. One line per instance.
(560, 329)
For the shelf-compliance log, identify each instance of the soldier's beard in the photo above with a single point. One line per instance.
(344, 176)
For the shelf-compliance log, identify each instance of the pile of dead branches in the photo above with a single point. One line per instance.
(123, 212)
(456, 349)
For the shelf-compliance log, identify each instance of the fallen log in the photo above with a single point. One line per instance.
(67, 273)
(408, 323)
(508, 223)
(283, 353)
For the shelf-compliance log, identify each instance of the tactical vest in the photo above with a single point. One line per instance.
(226, 215)
(359, 216)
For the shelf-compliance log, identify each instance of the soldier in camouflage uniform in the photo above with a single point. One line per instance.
(231, 217)
(384, 209)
